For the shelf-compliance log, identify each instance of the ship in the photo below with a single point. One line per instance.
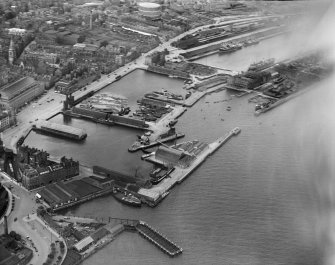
(259, 66)
(159, 175)
(230, 47)
(250, 42)
(126, 198)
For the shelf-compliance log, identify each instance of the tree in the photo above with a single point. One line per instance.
(61, 244)
(104, 43)
(81, 39)
(10, 15)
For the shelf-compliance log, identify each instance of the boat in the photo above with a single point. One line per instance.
(188, 94)
(250, 42)
(230, 47)
(236, 130)
(160, 175)
(173, 123)
(259, 66)
(126, 198)
(228, 108)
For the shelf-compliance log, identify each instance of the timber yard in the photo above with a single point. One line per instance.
(53, 184)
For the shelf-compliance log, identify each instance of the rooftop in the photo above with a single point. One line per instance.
(12, 89)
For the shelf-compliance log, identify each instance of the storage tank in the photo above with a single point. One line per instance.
(150, 10)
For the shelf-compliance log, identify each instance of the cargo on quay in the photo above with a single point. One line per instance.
(60, 130)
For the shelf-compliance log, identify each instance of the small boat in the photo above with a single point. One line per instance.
(126, 198)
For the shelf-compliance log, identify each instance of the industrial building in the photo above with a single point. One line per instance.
(18, 93)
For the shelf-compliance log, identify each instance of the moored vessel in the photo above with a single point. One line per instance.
(126, 198)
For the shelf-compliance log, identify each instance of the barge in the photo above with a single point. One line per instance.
(126, 198)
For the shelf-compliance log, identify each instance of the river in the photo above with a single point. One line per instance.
(265, 197)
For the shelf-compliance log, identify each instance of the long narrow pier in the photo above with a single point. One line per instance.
(159, 240)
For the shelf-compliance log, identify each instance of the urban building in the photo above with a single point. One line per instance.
(35, 169)
(5, 120)
(18, 93)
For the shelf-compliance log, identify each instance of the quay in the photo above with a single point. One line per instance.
(158, 239)
(107, 119)
(213, 47)
(152, 196)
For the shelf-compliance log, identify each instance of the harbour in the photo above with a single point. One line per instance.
(214, 119)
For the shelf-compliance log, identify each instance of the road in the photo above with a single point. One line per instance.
(24, 206)
(23, 220)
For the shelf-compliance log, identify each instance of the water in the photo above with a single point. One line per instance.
(265, 197)
(270, 48)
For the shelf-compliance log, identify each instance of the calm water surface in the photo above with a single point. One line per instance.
(265, 197)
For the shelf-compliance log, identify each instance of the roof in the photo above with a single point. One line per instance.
(63, 128)
(16, 87)
(83, 243)
(102, 232)
(148, 5)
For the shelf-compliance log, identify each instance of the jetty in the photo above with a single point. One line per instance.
(159, 240)
(112, 228)
(152, 196)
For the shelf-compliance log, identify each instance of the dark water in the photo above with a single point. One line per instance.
(264, 198)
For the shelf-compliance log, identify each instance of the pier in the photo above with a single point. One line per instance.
(126, 225)
(155, 194)
(159, 240)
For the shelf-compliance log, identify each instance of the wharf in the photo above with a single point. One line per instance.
(82, 200)
(155, 194)
(155, 143)
(126, 121)
(158, 239)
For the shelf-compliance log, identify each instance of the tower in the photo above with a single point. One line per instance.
(11, 51)
(91, 18)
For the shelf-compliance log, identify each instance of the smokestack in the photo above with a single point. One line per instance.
(6, 225)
